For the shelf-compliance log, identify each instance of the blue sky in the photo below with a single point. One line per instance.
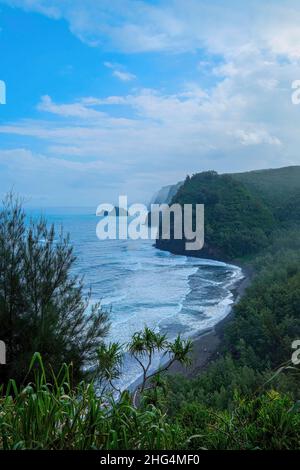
(122, 97)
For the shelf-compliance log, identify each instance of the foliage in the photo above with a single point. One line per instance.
(247, 398)
(267, 320)
(109, 364)
(269, 422)
(49, 413)
(143, 347)
(256, 342)
(244, 212)
(237, 223)
(274, 186)
(42, 306)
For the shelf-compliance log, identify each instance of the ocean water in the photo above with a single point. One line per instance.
(141, 285)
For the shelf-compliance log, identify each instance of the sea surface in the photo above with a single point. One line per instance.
(141, 285)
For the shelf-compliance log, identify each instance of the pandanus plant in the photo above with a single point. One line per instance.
(143, 347)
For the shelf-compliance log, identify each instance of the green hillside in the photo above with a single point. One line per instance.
(274, 186)
(242, 210)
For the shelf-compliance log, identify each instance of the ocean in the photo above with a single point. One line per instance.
(141, 285)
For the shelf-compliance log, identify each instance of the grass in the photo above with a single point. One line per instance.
(53, 415)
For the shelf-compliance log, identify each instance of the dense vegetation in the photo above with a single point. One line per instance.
(240, 401)
(52, 413)
(242, 211)
(273, 186)
(256, 342)
(42, 306)
(248, 396)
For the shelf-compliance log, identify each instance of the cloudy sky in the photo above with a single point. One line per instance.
(108, 97)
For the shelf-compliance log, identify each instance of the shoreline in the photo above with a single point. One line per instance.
(207, 343)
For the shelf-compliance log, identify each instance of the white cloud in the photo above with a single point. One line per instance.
(256, 137)
(183, 132)
(56, 181)
(119, 72)
(175, 25)
(76, 110)
(237, 125)
(123, 76)
(244, 120)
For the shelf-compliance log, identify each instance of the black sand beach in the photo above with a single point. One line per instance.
(206, 345)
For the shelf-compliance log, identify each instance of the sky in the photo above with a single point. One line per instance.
(123, 96)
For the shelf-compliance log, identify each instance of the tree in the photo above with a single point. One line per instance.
(42, 305)
(143, 347)
(108, 370)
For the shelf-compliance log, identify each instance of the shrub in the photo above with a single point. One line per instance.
(42, 306)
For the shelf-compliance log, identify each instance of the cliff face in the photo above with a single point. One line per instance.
(240, 213)
(177, 247)
(242, 210)
(166, 194)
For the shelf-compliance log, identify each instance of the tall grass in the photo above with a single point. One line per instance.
(51, 414)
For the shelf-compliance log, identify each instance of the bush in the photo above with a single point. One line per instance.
(50, 414)
(42, 306)
(269, 422)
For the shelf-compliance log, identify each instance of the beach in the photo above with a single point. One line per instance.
(207, 345)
